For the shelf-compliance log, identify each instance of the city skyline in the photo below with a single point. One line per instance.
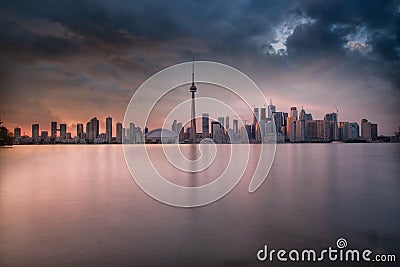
(72, 60)
(293, 126)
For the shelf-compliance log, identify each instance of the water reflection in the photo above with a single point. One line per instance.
(77, 205)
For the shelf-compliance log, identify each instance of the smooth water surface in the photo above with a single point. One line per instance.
(77, 205)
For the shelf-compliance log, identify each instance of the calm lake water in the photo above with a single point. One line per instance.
(77, 205)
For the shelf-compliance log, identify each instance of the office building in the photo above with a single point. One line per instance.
(292, 130)
(205, 124)
(235, 126)
(132, 133)
(178, 128)
(221, 121)
(311, 130)
(293, 112)
(79, 131)
(355, 131)
(44, 135)
(17, 132)
(278, 117)
(332, 124)
(93, 130)
(271, 109)
(263, 114)
(108, 129)
(63, 131)
(366, 130)
(35, 132)
(173, 126)
(53, 131)
(304, 115)
(300, 131)
(87, 131)
(118, 132)
(369, 131)
(256, 116)
(320, 124)
(374, 131)
(344, 131)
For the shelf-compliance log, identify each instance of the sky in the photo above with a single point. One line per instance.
(69, 61)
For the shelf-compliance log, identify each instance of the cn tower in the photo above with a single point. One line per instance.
(193, 89)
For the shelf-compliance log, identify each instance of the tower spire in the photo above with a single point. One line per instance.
(193, 89)
(193, 72)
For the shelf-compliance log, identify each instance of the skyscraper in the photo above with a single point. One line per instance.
(332, 124)
(118, 130)
(369, 131)
(256, 117)
(320, 130)
(271, 109)
(173, 126)
(35, 132)
(300, 130)
(205, 124)
(305, 116)
(94, 129)
(278, 116)
(289, 124)
(374, 131)
(344, 131)
(79, 130)
(221, 121)
(108, 129)
(87, 137)
(227, 122)
(292, 130)
(355, 131)
(178, 128)
(311, 130)
(263, 116)
(53, 129)
(235, 126)
(217, 132)
(132, 133)
(193, 132)
(293, 112)
(63, 131)
(17, 132)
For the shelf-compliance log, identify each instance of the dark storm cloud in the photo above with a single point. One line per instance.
(93, 25)
(381, 18)
(116, 45)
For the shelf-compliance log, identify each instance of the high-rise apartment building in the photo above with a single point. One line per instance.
(344, 131)
(369, 131)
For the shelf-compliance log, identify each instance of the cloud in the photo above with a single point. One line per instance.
(91, 53)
